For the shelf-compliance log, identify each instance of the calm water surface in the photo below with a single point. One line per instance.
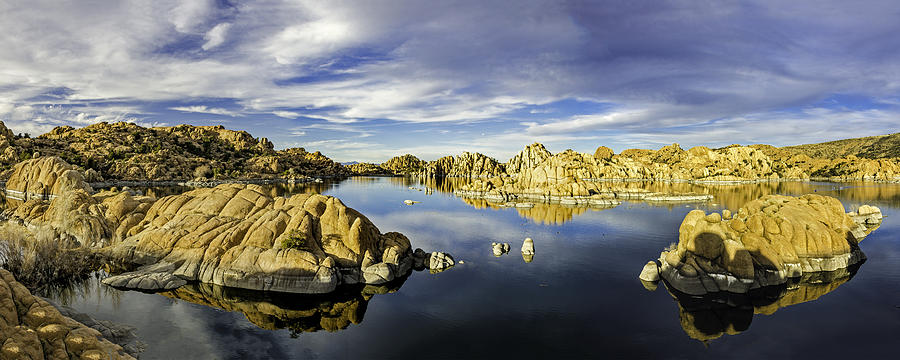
(578, 298)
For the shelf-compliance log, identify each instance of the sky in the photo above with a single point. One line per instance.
(368, 80)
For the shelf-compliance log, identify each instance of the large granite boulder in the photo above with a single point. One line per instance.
(44, 178)
(766, 242)
(31, 328)
(56, 195)
(238, 236)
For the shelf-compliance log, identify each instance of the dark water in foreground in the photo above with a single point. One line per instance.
(579, 298)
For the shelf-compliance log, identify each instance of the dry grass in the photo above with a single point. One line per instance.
(39, 259)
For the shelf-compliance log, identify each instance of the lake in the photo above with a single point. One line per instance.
(578, 298)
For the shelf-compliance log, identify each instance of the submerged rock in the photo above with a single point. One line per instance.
(766, 242)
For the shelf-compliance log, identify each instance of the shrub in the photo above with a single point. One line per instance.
(42, 260)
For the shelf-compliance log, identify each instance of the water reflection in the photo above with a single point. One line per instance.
(714, 315)
(298, 313)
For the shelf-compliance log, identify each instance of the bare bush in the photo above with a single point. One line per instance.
(39, 258)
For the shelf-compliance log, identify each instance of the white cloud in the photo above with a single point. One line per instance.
(286, 114)
(190, 14)
(203, 109)
(216, 36)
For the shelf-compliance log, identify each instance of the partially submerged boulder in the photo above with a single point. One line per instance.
(766, 242)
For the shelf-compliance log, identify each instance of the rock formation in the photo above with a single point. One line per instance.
(499, 248)
(126, 151)
(765, 243)
(403, 165)
(231, 235)
(31, 328)
(366, 169)
(468, 165)
(532, 156)
(238, 236)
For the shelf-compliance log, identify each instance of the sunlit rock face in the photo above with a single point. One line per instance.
(766, 242)
(232, 235)
(714, 315)
(403, 164)
(31, 328)
(468, 165)
(49, 192)
(238, 236)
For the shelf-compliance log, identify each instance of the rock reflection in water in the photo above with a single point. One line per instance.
(713, 315)
(298, 313)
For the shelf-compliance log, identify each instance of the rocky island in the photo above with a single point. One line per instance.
(765, 243)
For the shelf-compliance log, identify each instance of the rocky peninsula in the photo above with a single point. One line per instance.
(231, 235)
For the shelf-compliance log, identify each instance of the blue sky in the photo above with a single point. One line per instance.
(366, 80)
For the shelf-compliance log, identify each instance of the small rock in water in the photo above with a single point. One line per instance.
(528, 246)
(650, 272)
(438, 261)
(410, 202)
(500, 248)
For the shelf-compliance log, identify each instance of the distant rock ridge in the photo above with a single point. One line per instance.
(766, 242)
(467, 165)
(127, 151)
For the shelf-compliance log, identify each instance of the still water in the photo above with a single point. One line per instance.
(578, 298)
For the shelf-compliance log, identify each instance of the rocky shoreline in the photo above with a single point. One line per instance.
(232, 235)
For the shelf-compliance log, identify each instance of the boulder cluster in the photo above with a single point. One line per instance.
(570, 177)
(764, 243)
(397, 165)
(31, 328)
(127, 151)
(231, 235)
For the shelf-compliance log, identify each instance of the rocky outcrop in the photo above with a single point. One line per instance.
(231, 235)
(498, 249)
(403, 165)
(366, 169)
(528, 158)
(468, 165)
(92, 220)
(126, 151)
(31, 328)
(44, 179)
(238, 236)
(765, 243)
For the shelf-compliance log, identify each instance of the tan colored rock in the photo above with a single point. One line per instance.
(31, 328)
(767, 241)
(528, 158)
(44, 178)
(238, 236)
(404, 164)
